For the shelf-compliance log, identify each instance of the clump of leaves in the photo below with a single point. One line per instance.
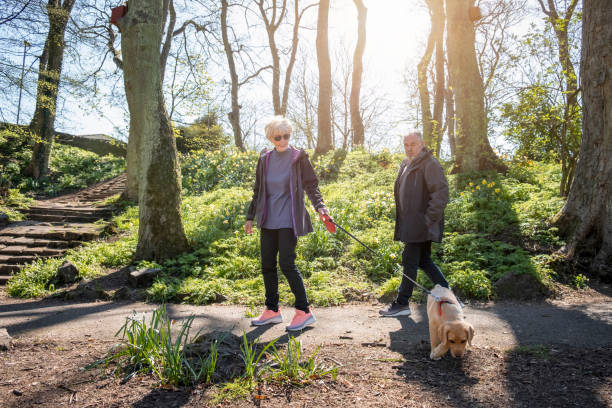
(152, 348)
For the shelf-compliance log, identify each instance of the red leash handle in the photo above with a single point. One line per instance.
(329, 224)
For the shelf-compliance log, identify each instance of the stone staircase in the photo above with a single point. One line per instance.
(55, 225)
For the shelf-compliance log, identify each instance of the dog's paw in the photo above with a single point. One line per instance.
(433, 356)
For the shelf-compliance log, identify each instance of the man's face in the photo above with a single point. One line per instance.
(412, 146)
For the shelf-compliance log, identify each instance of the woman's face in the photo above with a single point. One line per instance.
(283, 140)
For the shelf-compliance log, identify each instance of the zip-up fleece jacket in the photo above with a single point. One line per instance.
(302, 178)
(421, 218)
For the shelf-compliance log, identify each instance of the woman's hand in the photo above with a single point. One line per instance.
(248, 227)
(323, 211)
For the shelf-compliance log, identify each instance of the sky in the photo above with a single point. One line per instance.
(396, 31)
(396, 34)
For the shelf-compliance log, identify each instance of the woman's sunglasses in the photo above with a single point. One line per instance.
(285, 136)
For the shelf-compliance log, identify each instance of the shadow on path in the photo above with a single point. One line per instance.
(562, 356)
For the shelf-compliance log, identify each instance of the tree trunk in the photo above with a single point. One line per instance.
(49, 74)
(160, 233)
(586, 218)
(473, 151)
(324, 140)
(450, 120)
(234, 115)
(356, 120)
(422, 68)
(438, 107)
(271, 24)
(560, 25)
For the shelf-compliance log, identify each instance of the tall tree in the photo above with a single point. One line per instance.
(473, 151)
(234, 115)
(160, 233)
(560, 24)
(439, 85)
(586, 218)
(49, 73)
(324, 140)
(273, 16)
(356, 119)
(432, 123)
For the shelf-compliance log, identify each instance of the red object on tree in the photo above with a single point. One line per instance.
(117, 13)
(475, 13)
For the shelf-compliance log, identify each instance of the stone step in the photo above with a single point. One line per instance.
(9, 268)
(70, 211)
(30, 251)
(4, 279)
(21, 259)
(32, 242)
(67, 232)
(64, 218)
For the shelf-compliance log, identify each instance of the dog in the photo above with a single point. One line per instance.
(447, 328)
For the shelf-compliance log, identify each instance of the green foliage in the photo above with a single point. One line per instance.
(204, 134)
(468, 281)
(580, 281)
(251, 356)
(489, 232)
(152, 348)
(205, 170)
(13, 201)
(289, 368)
(70, 167)
(534, 123)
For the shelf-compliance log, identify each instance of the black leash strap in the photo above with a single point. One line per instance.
(424, 289)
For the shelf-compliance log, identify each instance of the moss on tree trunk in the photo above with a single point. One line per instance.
(586, 218)
(160, 234)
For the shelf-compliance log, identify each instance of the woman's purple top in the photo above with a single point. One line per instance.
(278, 193)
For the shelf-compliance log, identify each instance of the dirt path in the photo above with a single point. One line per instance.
(55, 225)
(565, 358)
(499, 325)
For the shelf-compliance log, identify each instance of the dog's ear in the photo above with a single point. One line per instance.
(470, 333)
(443, 333)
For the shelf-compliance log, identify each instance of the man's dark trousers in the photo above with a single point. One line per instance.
(418, 255)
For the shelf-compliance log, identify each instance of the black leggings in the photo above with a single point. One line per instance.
(418, 255)
(282, 242)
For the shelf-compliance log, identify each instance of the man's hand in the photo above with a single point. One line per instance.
(323, 211)
(248, 227)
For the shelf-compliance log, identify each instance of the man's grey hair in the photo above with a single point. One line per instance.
(416, 133)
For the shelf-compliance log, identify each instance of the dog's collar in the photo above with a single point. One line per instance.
(440, 304)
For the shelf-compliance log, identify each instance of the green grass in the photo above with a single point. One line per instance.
(152, 348)
(488, 233)
(70, 168)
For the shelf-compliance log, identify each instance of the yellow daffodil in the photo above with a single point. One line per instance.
(225, 221)
(477, 187)
(471, 184)
(472, 190)
(497, 190)
(484, 181)
(462, 194)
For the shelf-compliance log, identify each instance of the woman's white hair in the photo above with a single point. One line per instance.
(278, 124)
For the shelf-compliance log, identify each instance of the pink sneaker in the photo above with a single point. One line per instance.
(268, 316)
(301, 320)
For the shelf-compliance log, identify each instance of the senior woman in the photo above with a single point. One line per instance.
(283, 174)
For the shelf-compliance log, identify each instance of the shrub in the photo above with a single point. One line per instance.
(468, 281)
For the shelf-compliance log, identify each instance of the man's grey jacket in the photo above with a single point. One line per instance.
(419, 214)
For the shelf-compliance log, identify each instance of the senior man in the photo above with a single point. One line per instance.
(421, 194)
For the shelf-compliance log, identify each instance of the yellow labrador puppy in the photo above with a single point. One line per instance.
(447, 329)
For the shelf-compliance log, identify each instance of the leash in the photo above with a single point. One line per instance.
(331, 227)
